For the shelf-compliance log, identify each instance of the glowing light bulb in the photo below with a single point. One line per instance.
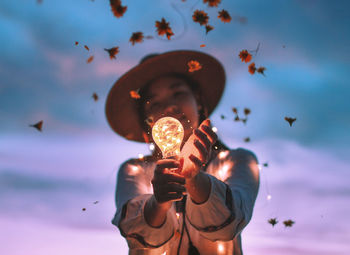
(168, 133)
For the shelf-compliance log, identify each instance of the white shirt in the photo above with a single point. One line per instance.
(214, 226)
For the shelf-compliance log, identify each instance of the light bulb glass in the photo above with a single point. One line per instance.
(168, 133)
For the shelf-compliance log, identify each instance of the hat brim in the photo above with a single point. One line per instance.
(121, 108)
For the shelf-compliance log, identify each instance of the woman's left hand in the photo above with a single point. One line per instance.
(205, 139)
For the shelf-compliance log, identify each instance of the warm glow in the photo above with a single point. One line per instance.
(168, 133)
(164, 253)
(140, 156)
(178, 215)
(133, 170)
(220, 248)
(268, 197)
(223, 154)
(214, 129)
(224, 171)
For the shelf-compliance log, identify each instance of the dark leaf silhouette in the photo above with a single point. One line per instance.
(247, 139)
(222, 117)
(208, 28)
(90, 59)
(212, 3)
(245, 56)
(76, 42)
(201, 17)
(246, 111)
(244, 120)
(117, 8)
(38, 125)
(84, 209)
(290, 120)
(95, 202)
(112, 52)
(95, 96)
(273, 221)
(163, 28)
(86, 47)
(288, 223)
(234, 109)
(224, 16)
(237, 118)
(193, 66)
(261, 70)
(266, 164)
(252, 68)
(136, 37)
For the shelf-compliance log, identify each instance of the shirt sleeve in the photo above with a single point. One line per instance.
(132, 192)
(234, 178)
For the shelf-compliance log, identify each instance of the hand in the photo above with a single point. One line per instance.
(202, 139)
(168, 185)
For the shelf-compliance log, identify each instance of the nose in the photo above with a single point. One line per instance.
(172, 110)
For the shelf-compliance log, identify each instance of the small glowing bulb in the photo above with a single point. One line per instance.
(214, 129)
(177, 215)
(223, 154)
(268, 197)
(168, 133)
(140, 156)
(164, 253)
(151, 147)
(220, 248)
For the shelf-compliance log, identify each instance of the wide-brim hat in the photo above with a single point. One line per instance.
(121, 109)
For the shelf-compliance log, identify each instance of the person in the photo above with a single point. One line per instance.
(159, 209)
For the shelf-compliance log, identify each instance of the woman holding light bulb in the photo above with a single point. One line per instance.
(199, 201)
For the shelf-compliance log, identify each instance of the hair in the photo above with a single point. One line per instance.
(203, 111)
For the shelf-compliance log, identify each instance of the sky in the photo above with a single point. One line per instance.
(47, 177)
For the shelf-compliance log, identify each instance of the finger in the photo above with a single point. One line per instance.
(173, 177)
(172, 187)
(212, 135)
(203, 137)
(174, 196)
(196, 161)
(202, 150)
(166, 163)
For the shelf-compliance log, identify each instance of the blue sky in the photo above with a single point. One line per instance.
(305, 48)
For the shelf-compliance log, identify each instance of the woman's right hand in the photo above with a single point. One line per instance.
(168, 185)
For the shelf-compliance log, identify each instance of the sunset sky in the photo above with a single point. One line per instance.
(47, 177)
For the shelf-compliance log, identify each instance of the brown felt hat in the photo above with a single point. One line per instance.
(121, 109)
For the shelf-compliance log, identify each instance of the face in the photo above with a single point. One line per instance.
(171, 96)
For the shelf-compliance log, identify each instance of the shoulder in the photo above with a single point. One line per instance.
(132, 166)
(237, 155)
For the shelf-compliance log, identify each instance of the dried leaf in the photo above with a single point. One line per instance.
(112, 52)
(273, 221)
(202, 45)
(201, 17)
(224, 16)
(38, 125)
(86, 47)
(261, 70)
(194, 65)
(208, 28)
(136, 37)
(117, 8)
(288, 223)
(84, 209)
(247, 139)
(237, 118)
(246, 111)
(266, 164)
(245, 56)
(95, 202)
(163, 28)
(90, 59)
(135, 94)
(222, 117)
(95, 96)
(76, 43)
(234, 109)
(244, 120)
(252, 68)
(212, 3)
(290, 120)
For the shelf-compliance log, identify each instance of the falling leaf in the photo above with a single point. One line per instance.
(163, 28)
(222, 117)
(202, 45)
(247, 139)
(234, 109)
(288, 223)
(135, 94)
(38, 125)
(252, 68)
(112, 52)
(117, 8)
(266, 164)
(290, 120)
(90, 59)
(224, 16)
(136, 37)
(208, 28)
(246, 111)
(237, 118)
(212, 3)
(244, 120)
(86, 47)
(76, 43)
(95, 202)
(201, 17)
(194, 65)
(261, 70)
(95, 96)
(245, 56)
(273, 221)
(84, 209)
